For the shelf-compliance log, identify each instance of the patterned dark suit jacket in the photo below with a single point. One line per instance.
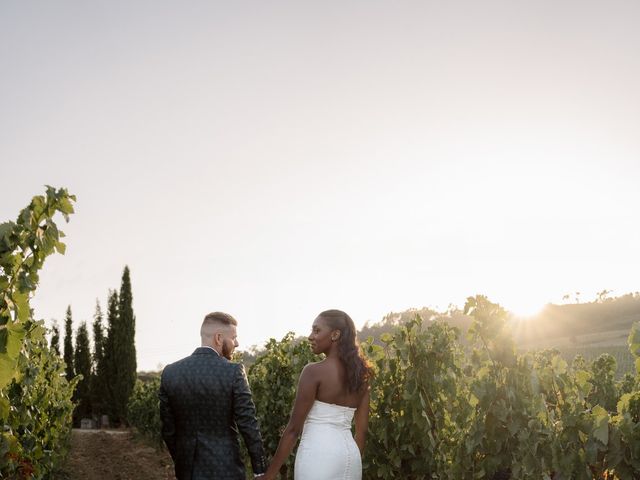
(205, 402)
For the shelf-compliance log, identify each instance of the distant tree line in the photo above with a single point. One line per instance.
(108, 373)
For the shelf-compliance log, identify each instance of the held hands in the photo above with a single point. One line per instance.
(264, 476)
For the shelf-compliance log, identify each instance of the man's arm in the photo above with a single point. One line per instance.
(244, 413)
(166, 418)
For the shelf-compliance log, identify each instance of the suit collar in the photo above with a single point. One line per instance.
(206, 351)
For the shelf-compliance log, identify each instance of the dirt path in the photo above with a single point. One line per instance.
(115, 455)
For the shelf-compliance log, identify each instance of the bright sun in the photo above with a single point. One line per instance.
(524, 309)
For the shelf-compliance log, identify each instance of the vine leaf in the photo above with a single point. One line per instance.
(634, 340)
(601, 421)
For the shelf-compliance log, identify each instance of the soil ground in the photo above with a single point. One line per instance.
(114, 455)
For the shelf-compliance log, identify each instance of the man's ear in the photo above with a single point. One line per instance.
(217, 338)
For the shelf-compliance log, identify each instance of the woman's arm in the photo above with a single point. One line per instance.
(306, 395)
(362, 420)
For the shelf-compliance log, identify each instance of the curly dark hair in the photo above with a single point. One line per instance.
(356, 365)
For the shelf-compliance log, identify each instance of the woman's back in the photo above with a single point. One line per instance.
(332, 385)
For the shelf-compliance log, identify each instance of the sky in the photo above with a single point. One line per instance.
(276, 159)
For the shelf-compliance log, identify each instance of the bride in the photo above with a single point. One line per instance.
(330, 394)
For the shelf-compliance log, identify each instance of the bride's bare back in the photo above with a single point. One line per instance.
(332, 384)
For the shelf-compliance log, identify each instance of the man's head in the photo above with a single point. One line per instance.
(219, 332)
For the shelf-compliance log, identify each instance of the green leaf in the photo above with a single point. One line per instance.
(479, 473)
(6, 229)
(61, 248)
(601, 424)
(65, 206)
(37, 332)
(21, 305)
(559, 365)
(634, 340)
(623, 403)
(7, 369)
(15, 336)
(4, 407)
(582, 381)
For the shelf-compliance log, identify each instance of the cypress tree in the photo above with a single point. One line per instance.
(55, 338)
(82, 364)
(109, 359)
(98, 377)
(124, 348)
(68, 345)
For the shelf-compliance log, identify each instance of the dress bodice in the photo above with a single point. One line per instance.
(323, 413)
(327, 450)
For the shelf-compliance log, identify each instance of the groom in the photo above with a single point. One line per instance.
(204, 402)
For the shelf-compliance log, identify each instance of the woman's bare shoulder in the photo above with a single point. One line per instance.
(313, 368)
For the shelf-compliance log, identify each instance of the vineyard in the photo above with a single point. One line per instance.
(486, 412)
(440, 408)
(625, 362)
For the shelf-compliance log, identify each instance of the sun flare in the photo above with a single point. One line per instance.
(524, 309)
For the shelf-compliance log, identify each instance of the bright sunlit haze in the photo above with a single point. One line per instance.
(276, 159)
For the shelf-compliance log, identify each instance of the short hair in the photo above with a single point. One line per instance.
(219, 318)
(213, 320)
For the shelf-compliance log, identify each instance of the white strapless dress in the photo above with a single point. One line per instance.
(327, 450)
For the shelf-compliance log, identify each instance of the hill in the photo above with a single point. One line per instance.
(599, 323)
(588, 329)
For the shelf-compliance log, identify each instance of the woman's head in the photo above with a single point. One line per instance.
(335, 329)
